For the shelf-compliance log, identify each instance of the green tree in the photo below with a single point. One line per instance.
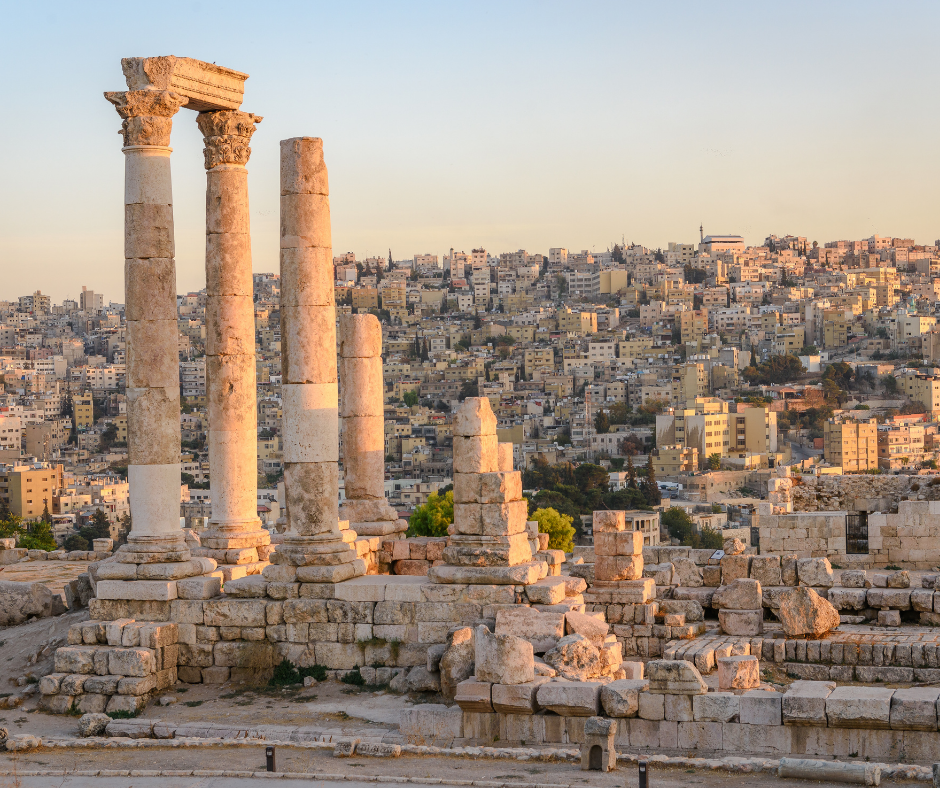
(601, 423)
(38, 536)
(678, 524)
(650, 488)
(433, 517)
(714, 461)
(631, 473)
(552, 499)
(890, 383)
(410, 398)
(557, 526)
(75, 542)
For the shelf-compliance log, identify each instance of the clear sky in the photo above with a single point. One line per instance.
(499, 124)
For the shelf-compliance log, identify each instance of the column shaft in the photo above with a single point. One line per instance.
(153, 390)
(230, 335)
(363, 420)
(308, 358)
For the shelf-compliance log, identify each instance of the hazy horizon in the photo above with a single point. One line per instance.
(507, 126)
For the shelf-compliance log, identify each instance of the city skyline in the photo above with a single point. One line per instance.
(441, 130)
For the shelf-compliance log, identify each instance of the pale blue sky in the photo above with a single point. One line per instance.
(502, 124)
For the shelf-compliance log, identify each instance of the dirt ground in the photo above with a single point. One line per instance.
(54, 574)
(467, 768)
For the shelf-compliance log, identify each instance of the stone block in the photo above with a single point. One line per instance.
(738, 672)
(429, 723)
(674, 677)
(853, 578)
(678, 708)
(131, 662)
(804, 613)
(804, 702)
(205, 587)
(652, 706)
(527, 727)
(742, 594)
(621, 698)
(715, 707)
(235, 612)
(760, 707)
(242, 654)
(548, 591)
(814, 572)
(129, 704)
(622, 567)
(607, 521)
(859, 707)
(475, 696)
(711, 576)
(542, 630)
(75, 659)
(502, 659)
(571, 698)
(889, 618)
(146, 590)
(517, 698)
(765, 569)
(734, 567)
(741, 622)
(914, 709)
(618, 543)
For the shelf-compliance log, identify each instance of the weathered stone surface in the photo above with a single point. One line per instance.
(19, 601)
(674, 677)
(733, 546)
(804, 702)
(621, 698)
(853, 578)
(475, 417)
(765, 569)
(420, 679)
(760, 707)
(542, 630)
(899, 579)
(859, 707)
(848, 598)
(457, 663)
(593, 628)
(738, 672)
(517, 698)
(734, 567)
(575, 657)
(715, 707)
(548, 591)
(741, 622)
(743, 594)
(571, 698)
(475, 696)
(429, 723)
(686, 573)
(93, 724)
(803, 612)
(691, 609)
(915, 709)
(502, 659)
(814, 572)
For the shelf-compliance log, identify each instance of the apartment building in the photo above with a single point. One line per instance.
(851, 444)
(27, 489)
(900, 445)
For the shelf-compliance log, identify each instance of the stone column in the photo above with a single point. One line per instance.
(235, 532)
(489, 541)
(314, 539)
(153, 388)
(363, 420)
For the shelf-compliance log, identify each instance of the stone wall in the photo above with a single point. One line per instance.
(910, 538)
(861, 492)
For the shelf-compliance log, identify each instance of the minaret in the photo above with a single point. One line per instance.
(701, 233)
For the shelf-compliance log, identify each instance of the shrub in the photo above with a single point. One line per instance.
(557, 526)
(353, 677)
(433, 517)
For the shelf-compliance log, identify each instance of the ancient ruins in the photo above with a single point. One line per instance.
(523, 643)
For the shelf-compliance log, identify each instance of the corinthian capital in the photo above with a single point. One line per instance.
(148, 115)
(227, 133)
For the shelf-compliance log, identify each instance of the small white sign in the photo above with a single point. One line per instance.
(718, 555)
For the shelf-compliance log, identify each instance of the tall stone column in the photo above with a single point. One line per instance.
(153, 387)
(235, 533)
(363, 421)
(314, 541)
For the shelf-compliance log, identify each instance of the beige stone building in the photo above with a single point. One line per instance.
(27, 488)
(850, 444)
(922, 388)
(900, 445)
(671, 460)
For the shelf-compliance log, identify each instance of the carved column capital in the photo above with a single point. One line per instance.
(227, 133)
(148, 115)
